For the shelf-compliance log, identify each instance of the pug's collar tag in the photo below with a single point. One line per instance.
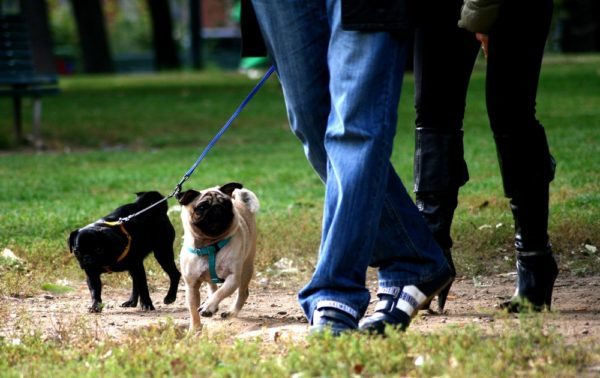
(211, 252)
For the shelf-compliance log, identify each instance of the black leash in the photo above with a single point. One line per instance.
(207, 148)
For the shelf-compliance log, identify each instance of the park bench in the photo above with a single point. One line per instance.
(18, 77)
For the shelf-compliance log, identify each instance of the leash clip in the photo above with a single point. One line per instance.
(176, 191)
(178, 188)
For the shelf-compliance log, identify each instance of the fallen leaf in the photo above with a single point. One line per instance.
(420, 361)
(358, 369)
(9, 255)
(276, 336)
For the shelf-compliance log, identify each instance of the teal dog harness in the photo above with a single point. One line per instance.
(211, 251)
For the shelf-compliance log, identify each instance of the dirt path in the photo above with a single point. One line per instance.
(273, 312)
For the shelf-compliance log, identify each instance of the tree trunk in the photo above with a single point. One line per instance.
(35, 13)
(580, 25)
(92, 36)
(196, 33)
(165, 49)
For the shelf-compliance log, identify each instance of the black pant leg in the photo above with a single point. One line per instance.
(516, 48)
(444, 55)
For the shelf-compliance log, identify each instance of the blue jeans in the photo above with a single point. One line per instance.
(342, 90)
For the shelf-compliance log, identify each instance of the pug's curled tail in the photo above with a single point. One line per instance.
(248, 198)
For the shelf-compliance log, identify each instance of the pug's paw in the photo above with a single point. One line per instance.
(169, 299)
(96, 307)
(130, 303)
(205, 311)
(147, 307)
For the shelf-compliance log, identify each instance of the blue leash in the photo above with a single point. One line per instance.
(209, 146)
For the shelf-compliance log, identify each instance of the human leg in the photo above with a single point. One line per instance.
(377, 214)
(297, 36)
(444, 56)
(357, 144)
(526, 166)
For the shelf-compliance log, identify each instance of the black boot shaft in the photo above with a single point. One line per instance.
(439, 170)
(527, 169)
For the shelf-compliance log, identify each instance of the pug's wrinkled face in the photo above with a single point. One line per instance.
(210, 211)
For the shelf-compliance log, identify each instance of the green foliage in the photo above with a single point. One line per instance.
(64, 30)
(127, 22)
(129, 26)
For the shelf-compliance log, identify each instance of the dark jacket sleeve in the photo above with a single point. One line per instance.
(360, 15)
(377, 15)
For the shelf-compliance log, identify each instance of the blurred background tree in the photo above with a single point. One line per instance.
(150, 35)
(577, 25)
(93, 39)
(165, 48)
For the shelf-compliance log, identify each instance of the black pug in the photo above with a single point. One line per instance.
(109, 246)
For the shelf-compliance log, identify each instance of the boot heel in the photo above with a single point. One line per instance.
(443, 296)
(550, 288)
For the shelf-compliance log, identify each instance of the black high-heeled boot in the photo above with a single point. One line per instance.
(527, 169)
(536, 266)
(537, 272)
(438, 211)
(439, 170)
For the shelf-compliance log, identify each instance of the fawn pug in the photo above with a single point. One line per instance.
(219, 245)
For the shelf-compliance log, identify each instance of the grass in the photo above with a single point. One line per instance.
(76, 351)
(111, 136)
(114, 135)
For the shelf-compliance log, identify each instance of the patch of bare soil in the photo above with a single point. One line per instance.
(273, 312)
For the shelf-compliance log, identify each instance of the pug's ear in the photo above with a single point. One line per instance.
(186, 197)
(230, 187)
(72, 239)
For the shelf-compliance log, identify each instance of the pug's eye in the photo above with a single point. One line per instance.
(202, 207)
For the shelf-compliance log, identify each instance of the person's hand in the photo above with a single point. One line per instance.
(483, 38)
